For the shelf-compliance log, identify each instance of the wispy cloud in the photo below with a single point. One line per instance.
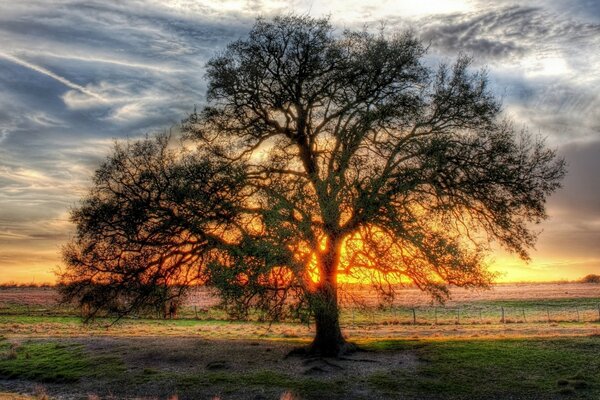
(163, 69)
(52, 75)
(76, 74)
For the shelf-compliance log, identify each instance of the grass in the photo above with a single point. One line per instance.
(446, 369)
(12, 396)
(582, 302)
(235, 382)
(73, 320)
(459, 368)
(482, 312)
(35, 319)
(232, 382)
(43, 361)
(513, 368)
(471, 312)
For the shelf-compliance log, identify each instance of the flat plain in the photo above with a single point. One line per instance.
(516, 341)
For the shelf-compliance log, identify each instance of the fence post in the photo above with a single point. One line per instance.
(502, 320)
(548, 314)
(598, 312)
(458, 315)
(414, 317)
(435, 313)
(352, 315)
(524, 319)
(578, 318)
(480, 319)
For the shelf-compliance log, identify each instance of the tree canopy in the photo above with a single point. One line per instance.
(318, 157)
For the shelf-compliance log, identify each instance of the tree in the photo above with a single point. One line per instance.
(590, 278)
(319, 156)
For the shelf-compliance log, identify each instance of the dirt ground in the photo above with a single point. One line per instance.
(189, 355)
(218, 359)
(154, 359)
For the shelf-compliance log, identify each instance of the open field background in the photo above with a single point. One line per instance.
(416, 350)
(354, 295)
(548, 303)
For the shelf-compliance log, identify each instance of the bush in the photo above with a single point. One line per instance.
(591, 278)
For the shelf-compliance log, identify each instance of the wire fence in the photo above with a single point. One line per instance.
(469, 315)
(515, 311)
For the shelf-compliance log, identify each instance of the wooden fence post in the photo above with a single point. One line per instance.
(524, 319)
(548, 314)
(414, 317)
(502, 320)
(458, 315)
(435, 314)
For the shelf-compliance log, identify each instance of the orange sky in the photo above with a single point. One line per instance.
(511, 270)
(37, 266)
(64, 101)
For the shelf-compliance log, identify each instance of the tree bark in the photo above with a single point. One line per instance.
(328, 341)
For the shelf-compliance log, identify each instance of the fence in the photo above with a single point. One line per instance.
(574, 310)
(471, 315)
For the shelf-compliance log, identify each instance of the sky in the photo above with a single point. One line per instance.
(77, 75)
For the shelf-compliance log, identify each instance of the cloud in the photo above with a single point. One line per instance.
(509, 32)
(543, 60)
(562, 110)
(52, 75)
(75, 75)
(578, 199)
(160, 68)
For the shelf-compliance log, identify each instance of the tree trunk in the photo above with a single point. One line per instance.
(328, 341)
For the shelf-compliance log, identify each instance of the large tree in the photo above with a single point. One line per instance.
(319, 157)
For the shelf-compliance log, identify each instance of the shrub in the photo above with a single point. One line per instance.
(591, 278)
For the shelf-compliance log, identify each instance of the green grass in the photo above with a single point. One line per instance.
(187, 313)
(515, 368)
(307, 388)
(582, 302)
(445, 369)
(476, 312)
(54, 362)
(40, 319)
(8, 308)
(481, 312)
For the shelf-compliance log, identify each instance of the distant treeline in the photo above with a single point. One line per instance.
(590, 278)
(8, 285)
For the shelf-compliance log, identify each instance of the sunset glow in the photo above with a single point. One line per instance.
(68, 92)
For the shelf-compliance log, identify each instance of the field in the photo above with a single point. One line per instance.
(526, 341)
